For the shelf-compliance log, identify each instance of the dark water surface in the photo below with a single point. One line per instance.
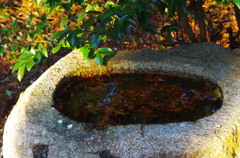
(120, 99)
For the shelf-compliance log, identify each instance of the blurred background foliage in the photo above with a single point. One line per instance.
(30, 30)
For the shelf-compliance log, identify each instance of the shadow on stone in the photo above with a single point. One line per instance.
(40, 151)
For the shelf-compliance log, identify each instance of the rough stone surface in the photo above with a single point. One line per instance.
(33, 129)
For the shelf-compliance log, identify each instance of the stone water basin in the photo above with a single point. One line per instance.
(36, 129)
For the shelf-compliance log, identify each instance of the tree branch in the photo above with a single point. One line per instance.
(200, 16)
(182, 17)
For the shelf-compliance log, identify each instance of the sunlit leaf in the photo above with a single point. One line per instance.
(21, 71)
(106, 51)
(63, 21)
(37, 1)
(25, 56)
(56, 49)
(19, 64)
(44, 51)
(85, 52)
(80, 17)
(38, 57)
(99, 59)
(30, 64)
(25, 49)
(89, 8)
(237, 2)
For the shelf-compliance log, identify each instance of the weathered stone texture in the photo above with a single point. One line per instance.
(33, 128)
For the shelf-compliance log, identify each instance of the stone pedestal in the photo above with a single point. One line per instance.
(35, 129)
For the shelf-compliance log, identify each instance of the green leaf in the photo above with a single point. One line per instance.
(4, 31)
(9, 93)
(24, 49)
(106, 51)
(14, 47)
(80, 17)
(25, 56)
(85, 52)
(162, 7)
(1, 50)
(170, 38)
(144, 19)
(38, 57)
(58, 34)
(37, 1)
(106, 18)
(173, 28)
(130, 11)
(63, 21)
(130, 22)
(63, 35)
(165, 29)
(216, 93)
(72, 38)
(30, 64)
(23, 37)
(127, 29)
(152, 29)
(44, 51)
(14, 25)
(19, 64)
(67, 7)
(89, 22)
(56, 49)
(136, 38)
(41, 25)
(99, 59)
(93, 12)
(172, 8)
(21, 71)
(43, 18)
(237, 2)
(89, 8)
(95, 40)
(30, 17)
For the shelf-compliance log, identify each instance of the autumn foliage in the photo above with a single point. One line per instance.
(31, 30)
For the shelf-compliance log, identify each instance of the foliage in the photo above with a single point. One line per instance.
(36, 28)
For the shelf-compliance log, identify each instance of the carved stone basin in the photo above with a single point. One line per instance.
(35, 129)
